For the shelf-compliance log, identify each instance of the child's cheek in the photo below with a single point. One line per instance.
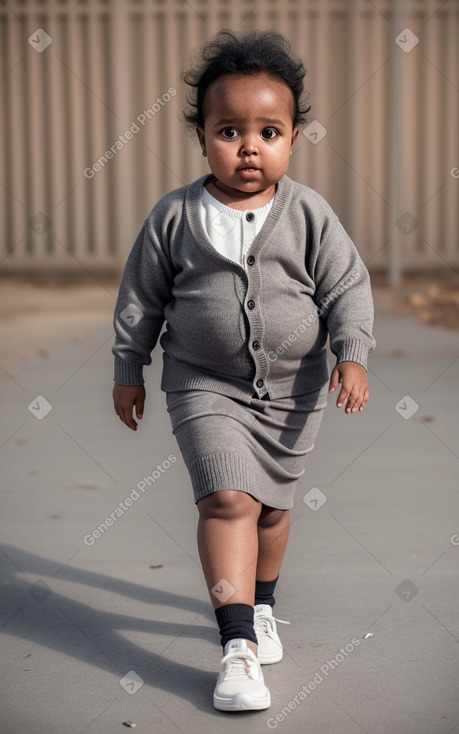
(222, 155)
(222, 151)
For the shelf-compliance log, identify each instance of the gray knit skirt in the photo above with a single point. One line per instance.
(259, 447)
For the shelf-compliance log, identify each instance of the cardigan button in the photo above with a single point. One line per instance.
(250, 216)
(251, 304)
(250, 260)
(256, 344)
(260, 383)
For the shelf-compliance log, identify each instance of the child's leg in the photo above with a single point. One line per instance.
(273, 531)
(228, 546)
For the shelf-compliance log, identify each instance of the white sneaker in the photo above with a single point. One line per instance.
(269, 644)
(240, 685)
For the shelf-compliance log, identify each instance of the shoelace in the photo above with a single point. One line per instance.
(239, 666)
(265, 624)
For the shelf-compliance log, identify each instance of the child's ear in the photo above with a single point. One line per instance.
(201, 138)
(295, 135)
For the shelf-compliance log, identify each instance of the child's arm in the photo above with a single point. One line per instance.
(144, 292)
(343, 294)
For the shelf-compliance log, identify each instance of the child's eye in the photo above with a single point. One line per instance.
(227, 132)
(269, 133)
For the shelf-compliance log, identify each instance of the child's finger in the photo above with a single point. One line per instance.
(139, 406)
(130, 422)
(343, 395)
(353, 402)
(366, 395)
(125, 414)
(334, 380)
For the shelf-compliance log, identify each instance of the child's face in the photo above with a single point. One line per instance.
(247, 122)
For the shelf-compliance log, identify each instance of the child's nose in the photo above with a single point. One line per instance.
(249, 146)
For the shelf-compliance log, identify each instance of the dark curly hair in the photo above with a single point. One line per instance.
(243, 52)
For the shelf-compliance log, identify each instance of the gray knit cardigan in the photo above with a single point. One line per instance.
(260, 331)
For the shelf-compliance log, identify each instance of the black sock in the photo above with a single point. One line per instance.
(264, 592)
(235, 620)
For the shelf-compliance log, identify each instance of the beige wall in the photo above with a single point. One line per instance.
(391, 116)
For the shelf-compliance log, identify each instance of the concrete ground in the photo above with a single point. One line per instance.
(98, 631)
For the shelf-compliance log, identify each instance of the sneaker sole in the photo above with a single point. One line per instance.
(242, 702)
(269, 659)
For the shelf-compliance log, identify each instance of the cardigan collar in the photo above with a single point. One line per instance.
(192, 203)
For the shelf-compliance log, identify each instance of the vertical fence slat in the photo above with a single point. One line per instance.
(122, 208)
(451, 162)
(196, 32)
(13, 163)
(396, 151)
(60, 185)
(431, 109)
(373, 237)
(35, 161)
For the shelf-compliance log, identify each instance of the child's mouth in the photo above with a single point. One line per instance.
(248, 172)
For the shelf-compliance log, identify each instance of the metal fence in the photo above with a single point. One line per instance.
(91, 133)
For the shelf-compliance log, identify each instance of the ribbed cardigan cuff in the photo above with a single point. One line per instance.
(223, 470)
(128, 373)
(353, 350)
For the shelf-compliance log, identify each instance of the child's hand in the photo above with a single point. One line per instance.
(124, 398)
(354, 385)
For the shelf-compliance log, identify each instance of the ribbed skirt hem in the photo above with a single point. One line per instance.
(223, 470)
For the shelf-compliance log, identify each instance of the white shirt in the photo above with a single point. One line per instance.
(231, 231)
